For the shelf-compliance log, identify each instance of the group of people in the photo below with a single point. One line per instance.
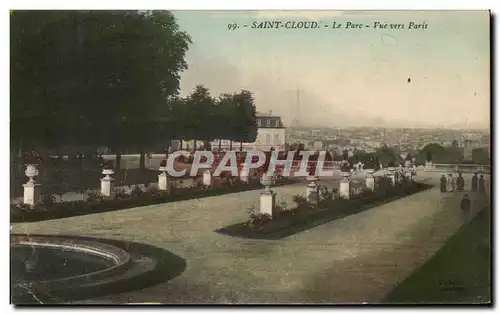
(449, 184)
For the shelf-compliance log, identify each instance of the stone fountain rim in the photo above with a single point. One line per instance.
(119, 257)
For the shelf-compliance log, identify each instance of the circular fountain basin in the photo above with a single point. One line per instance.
(44, 264)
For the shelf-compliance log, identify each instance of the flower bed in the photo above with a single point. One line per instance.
(60, 181)
(49, 209)
(305, 216)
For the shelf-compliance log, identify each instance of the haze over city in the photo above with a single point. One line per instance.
(437, 77)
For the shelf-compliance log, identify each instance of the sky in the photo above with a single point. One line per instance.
(433, 77)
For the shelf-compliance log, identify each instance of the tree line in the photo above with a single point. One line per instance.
(111, 78)
(388, 156)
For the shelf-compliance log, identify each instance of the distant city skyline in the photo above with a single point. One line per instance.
(433, 78)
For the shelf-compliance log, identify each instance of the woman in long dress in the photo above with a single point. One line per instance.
(443, 183)
(482, 185)
(474, 183)
(450, 182)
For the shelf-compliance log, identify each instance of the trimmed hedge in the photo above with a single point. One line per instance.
(306, 216)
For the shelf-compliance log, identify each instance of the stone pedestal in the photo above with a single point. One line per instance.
(268, 197)
(408, 175)
(163, 182)
(31, 188)
(207, 178)
(312, 190)
(107, 186)
(31, 193)
(244, 174)
(268, 203)
(393, 179)
(428, 165)
(370, 179)
(345, 187)
(370, 182)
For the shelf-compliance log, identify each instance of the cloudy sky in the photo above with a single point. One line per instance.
(348, 77)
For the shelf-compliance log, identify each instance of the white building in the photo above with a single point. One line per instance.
(270, 133)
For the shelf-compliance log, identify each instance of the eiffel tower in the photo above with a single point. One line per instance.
(294, 113)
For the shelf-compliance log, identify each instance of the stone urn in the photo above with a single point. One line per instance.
(392, 174)
(266, 181)
(391, 169)
(345, 175)
(369, 171)
(107, 172)
(31, 172)
(312, 190)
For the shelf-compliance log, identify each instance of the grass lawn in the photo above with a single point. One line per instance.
(458, 273)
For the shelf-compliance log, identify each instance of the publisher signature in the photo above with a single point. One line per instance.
(451, 285)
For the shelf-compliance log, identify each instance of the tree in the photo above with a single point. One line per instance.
(481, 156)
(454, 144)
(387, 155)
(439, 154)
(234, 118)
(244, 124)
(92, 77)
(428, 156)
(200, 118)
(431, 152)
(345, 154)
(224, 112)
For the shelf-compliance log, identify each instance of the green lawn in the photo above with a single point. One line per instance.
(458, 273)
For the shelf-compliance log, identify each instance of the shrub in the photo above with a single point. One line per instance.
(256, 219)
(281, 206)
(47, 200)
(94, 196)
(137, 192)
(300, 200)
(120, 194)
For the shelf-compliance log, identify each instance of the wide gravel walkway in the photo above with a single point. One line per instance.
(357, 259)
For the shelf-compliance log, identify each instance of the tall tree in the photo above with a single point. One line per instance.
(92, 77)
(345, 154)
(200, 121)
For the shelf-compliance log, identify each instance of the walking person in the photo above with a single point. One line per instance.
(474, 183)
(465, 204)
(443, 183)
(482, 185)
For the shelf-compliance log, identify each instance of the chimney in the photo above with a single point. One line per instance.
(270, 112)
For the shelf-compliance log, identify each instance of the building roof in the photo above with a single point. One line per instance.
(266, 115)
(273, 122)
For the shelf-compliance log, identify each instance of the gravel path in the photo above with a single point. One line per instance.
(357, 259)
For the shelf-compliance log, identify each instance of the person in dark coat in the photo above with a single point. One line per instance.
(465, 204)
(482, 185)
(460, 182)
(443, 183)
(474, 183)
